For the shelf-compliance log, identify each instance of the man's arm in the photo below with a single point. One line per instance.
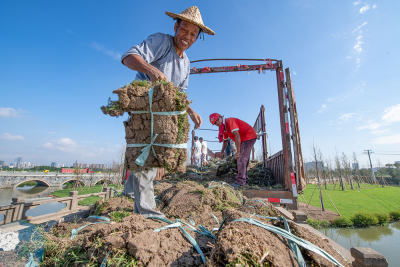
(237, 143)
(136, 62)
(194, 117)
(222, 153)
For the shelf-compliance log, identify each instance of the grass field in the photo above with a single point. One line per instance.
(370, 198)
(83, 191)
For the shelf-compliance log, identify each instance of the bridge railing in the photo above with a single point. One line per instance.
(19, 208)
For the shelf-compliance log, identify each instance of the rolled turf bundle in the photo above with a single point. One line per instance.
(160, 142)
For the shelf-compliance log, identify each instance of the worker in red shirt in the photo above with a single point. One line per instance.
(244, 137)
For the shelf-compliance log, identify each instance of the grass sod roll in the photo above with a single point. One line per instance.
(170, 129)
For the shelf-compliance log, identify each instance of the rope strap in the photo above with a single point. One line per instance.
(289, 236)
(31, 261)
(74, 232)
(141, 159)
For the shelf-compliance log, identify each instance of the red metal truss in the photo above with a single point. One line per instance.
(269, 65)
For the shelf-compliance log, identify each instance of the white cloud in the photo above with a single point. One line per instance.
(64, 145)
(10, 137)
(8, 112)
(356, 91)
(358, 46)
(48, 145)
(388, 140)
(371, 125)
(347, 116)
(365, 8)
(108, 52)
(359, 27)
(374, 6)
(392, 114)
(322, 108)
(356, 3)
(379, 131)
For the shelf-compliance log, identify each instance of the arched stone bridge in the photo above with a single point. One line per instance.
(12, 180)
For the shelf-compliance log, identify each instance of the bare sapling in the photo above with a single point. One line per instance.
(319, 181)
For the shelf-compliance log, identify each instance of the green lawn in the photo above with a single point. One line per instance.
(81, 191)
(89, 201)
(369, 199)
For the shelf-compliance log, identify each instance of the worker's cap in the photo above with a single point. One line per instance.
(214, 117)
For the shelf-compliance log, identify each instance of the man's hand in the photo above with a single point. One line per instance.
(156, 75)
(237, 155)
(194, 117)
(136, 62)
(219, 155)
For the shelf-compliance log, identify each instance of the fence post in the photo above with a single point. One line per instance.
(19, 204)
(74, 200)
(107, 194)
(110, 192)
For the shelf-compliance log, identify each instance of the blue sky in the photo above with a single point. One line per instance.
(60, 61)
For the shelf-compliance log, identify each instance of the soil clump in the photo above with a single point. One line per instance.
(167, 129)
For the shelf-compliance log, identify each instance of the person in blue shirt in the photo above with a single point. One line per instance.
(162, 57)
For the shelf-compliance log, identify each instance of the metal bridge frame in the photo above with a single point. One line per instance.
(287, 168)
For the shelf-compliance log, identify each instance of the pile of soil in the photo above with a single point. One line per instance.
(192, 201)
(133, 242)
(171, 129)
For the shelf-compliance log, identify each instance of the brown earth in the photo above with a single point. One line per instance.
(316, 240)
(191, 202)
(246, 244)
(11, 259)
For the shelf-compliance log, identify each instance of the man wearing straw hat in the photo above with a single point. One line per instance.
(162, 57)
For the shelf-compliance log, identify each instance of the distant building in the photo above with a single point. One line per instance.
(18, 162)
(311, 165)
(2, 163)
(53, 164)
(355, 166)
(98, 166)
(25, 165)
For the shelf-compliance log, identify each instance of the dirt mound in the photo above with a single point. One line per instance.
(316, 240)
(167, 129)
(113, 204)
(192, 201)
(136, 235)
(250, 245)
(133, 241)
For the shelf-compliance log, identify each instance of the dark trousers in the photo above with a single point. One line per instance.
(243, 161)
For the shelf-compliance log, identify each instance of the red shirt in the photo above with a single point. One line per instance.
(246, 132)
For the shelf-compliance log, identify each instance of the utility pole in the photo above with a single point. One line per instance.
(369, 151)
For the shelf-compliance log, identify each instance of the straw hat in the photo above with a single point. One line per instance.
(192, 15)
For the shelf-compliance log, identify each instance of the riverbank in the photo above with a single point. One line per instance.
(361, 207)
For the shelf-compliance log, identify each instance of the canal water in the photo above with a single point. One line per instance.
(31, 193)
(384, 239)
